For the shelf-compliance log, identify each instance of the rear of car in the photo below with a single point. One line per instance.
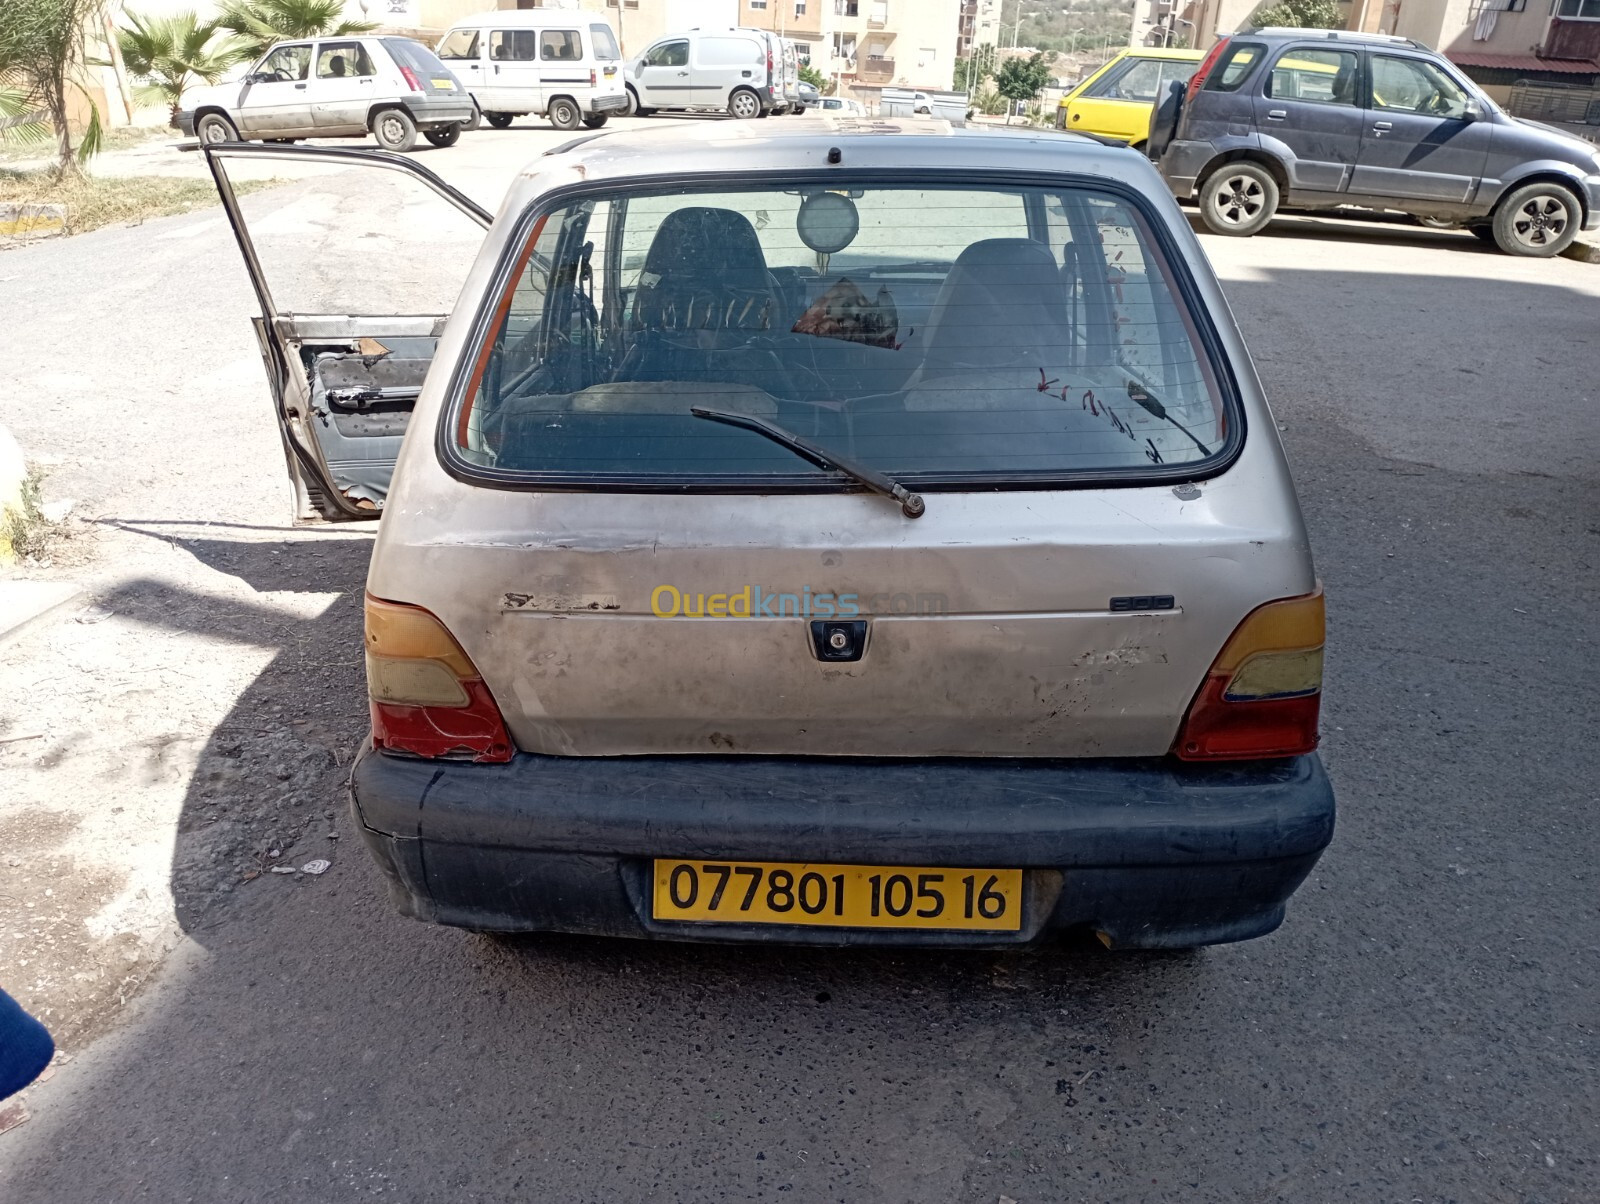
(433, 97)
(890, 549)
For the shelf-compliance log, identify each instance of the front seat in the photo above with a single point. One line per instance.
(1344, 84)
(1002, 305)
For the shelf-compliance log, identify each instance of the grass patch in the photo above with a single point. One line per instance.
(25, 532)
(95, 201)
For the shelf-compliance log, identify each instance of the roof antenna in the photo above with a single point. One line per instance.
(835, 155)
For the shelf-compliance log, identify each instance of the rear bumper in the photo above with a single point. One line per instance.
(607, 104)
(1151, 853)
(441, 110)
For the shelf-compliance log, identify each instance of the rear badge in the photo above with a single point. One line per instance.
(838, 639)
(1143, 602)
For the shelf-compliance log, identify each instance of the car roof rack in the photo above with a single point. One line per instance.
(1338, 35)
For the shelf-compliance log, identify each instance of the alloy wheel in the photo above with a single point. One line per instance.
(1540, 221)
(1240, 199)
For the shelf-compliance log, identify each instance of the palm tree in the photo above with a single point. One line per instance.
(260, 23)
(170, 53)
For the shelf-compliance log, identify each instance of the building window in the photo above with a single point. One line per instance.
(926, 55)
(846, 8)
(802, 50)
(799, 8)
(758, 3)
(1578, 10)
(609, 4)
(880, 12)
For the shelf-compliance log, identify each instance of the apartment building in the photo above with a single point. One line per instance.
(866, 45)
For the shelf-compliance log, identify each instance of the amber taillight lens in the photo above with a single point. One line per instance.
(427, 697)
(1263, 694)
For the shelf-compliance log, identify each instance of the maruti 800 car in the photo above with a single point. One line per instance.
(838, 534)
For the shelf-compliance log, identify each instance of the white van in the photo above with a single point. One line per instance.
(558, 63)
(740, 71)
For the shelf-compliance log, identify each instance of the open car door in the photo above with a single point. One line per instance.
(356, 272)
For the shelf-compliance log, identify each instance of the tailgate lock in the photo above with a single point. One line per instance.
(838, 640)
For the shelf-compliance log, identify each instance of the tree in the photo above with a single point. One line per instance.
(812, 76)
(173, 52)
(43, 51)
(1300, 14)
(975, 68)
(261, 23)
(1022, 79)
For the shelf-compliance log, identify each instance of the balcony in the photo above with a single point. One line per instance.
(875, 69)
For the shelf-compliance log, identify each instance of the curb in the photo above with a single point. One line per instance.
(26, 220)
(26, 603)
(1583, 252)
(13, 472)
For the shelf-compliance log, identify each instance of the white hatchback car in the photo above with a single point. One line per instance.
(332, 88)
(827, 533)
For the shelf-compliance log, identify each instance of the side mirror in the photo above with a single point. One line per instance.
(1473, 111)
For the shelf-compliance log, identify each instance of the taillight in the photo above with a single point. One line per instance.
(411, 78)
(1263, 693)
(427, 697)
(593, 78)
(1199, 77)
(769, 63)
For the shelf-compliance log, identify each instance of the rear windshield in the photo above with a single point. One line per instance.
(950, 335)
(605, 43)
(415, 55)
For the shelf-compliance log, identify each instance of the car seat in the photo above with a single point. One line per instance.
(1002, 304)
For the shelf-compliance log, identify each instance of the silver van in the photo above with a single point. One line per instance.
(738, 71)
(560, 64)
(811, 533)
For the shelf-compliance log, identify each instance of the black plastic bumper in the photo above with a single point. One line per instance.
(1150, 853)
(437, 111)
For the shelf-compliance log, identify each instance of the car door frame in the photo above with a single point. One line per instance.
(1384, 129)
(1275, 122)
(277, 100)
(664, 95)
(340, 104)
(277, 331)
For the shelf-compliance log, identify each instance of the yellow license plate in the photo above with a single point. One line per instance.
(449, 85)
(838, 896)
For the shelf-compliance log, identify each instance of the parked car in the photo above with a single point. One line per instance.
(1116, 100)
(559, 64)
(842, 106)
(823, 536)
(1313, 119)
(810, 97)
(740, 71)
(334, 87)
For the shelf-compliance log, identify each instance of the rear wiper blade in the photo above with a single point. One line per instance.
(1140, 396)
(911, 504)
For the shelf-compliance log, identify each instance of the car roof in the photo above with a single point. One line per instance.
(530, 18)
(904, 143)
(1162, 52)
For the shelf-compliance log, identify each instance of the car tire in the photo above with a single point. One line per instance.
(213, 128)
(744, 104)
(447, 135)
(281, 141)
(564, 114)
(477, 120)
(500, 121)
(1238, 199)
(394, 130)
(635, 109)
(595, 120)
(1537, 221)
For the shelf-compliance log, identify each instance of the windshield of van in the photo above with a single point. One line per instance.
(944, 335)
(605, 43)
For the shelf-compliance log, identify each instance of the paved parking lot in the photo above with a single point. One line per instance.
(1423, 1027)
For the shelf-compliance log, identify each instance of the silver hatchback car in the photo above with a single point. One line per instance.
(838, 534)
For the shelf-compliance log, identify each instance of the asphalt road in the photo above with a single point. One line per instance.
(1422, 1028)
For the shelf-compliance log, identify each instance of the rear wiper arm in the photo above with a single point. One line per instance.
(1140, 396)
(911, 504)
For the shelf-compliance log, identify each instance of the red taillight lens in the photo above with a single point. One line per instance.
(1263, 693)
(593, 78)
(427, 697)
(769, 64)
(1199, 77)
(411, 79)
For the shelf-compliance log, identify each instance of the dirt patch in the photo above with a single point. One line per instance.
(95, 201)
